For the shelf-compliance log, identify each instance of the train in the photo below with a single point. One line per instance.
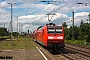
(50, 36)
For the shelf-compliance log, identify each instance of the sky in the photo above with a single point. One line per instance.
(33, 13)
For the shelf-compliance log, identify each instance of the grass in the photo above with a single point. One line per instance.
(78, 42)
(23, 43)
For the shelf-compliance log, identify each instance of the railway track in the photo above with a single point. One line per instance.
(82, 52)
(83, 49)
(69, 53)
(75, 53)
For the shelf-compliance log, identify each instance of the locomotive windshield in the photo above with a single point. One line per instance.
(54, 30)
(51, 30)
(58, 30)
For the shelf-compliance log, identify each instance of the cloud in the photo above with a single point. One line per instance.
(35, 21)
(38, 20)
(42, 19)
(3, 4)
(34, 11)
(2, 10)
(81, 16)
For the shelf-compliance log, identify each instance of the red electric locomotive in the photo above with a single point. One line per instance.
(51, 36)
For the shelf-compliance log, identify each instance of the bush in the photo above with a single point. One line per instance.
(88, 38)
(78, 42)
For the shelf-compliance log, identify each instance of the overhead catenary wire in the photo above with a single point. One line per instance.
(43, 13)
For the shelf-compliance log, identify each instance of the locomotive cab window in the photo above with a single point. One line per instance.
(58, 30)
(51, 30)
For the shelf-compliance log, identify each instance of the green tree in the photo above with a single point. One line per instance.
(76, 32)
(88, 37)
(64, 24)
(81, 22)
(15, 34)
(67, 37)
(3, 32)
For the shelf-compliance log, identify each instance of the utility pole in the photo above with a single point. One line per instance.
(73, 25)
(17, 27)
(22, 29)
(19, 31)
(11, 21)
(4, 25)
(89, 22)
(89, 18)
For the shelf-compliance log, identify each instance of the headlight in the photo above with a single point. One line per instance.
(60, 37)
(50, 37)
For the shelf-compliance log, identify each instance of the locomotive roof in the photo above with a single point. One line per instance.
(39, 27)
(50, 24)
